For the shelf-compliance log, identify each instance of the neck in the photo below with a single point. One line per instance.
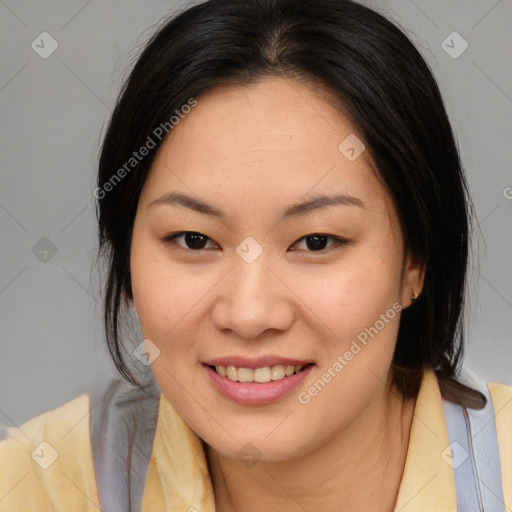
(358, 469)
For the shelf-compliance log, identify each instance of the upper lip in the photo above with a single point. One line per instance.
(259, 362)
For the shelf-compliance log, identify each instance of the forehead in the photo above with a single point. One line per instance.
(278, 139)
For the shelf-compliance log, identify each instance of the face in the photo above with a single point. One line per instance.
(253, 280)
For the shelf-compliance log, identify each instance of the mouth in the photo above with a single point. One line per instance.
(260, 385)
(260, 375)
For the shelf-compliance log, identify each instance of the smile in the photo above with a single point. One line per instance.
(261, 375)
(256, 386)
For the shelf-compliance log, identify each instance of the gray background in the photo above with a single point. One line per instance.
(53, 114)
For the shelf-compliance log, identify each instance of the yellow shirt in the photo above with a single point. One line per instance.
(47, 464)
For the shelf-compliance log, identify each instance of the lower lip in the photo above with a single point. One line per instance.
(254, 393)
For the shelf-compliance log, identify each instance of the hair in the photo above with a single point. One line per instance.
(386, 89)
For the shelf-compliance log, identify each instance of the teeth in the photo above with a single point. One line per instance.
(277, 372)
(265, 374)
(232, 373)
(262, 374)
(245, 375)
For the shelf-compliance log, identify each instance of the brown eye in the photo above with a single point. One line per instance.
(191, 240)
(317, 242)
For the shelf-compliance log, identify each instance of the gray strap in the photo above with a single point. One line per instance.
(486, 450)
(123, 423)
(475, 455)
(459, 458)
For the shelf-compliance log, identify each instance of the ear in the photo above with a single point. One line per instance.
(413, 277)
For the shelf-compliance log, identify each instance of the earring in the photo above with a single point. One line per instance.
(414, 297)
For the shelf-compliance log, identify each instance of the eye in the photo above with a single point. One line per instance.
(316, 241)
(192, 240)
(195, 241)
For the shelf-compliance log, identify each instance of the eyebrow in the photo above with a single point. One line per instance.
(198, 205)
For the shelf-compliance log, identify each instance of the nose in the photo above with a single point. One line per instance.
(252, 300)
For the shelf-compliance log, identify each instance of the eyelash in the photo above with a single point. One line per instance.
(337, 241)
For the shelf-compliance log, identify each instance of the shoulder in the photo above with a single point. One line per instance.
(499, 393)
(47, 460)
(53, 420)
(499, 390)
(501, 398)
(501, 402)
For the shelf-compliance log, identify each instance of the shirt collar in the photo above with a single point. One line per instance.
(428, 482)
(178, 477)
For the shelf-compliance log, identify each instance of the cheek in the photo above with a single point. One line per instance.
(162, 297)
(360, 316)
(353, 296)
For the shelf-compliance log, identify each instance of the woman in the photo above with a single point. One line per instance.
(281, 203)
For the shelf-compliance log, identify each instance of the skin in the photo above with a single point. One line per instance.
(253, 151)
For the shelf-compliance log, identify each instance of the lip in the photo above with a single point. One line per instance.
(259, 362)
(254, 393)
